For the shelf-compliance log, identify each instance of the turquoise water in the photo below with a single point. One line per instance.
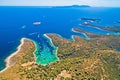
(46, 55)
(17, 22)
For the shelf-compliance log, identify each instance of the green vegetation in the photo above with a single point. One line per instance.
(96, 59)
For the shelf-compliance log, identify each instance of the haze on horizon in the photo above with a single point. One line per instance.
(103, 3)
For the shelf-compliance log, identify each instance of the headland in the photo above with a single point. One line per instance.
(8, 59)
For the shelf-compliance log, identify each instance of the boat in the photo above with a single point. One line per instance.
(37, 23)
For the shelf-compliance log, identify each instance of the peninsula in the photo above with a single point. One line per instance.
(94, 59)
(22, 57)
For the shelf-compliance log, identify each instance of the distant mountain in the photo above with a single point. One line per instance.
(73, 6)
(80, 6)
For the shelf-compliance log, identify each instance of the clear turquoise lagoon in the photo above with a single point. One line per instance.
(17, 22)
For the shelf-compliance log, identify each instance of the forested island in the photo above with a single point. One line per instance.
(94, 59)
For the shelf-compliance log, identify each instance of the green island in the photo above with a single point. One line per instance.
(94, 59)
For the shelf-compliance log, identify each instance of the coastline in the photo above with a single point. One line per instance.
(49, 39)
(56, 48)
(7, 60)
(37, 48)
(85, 36)
(72, 36)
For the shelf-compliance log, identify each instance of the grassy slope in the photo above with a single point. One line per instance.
(82, 60)
(24, 55)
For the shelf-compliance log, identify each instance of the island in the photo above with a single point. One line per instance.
(90, 19)
(109, 30)
(73, 6)
(79, 59)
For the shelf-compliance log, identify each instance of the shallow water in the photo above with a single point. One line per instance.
(17, 22)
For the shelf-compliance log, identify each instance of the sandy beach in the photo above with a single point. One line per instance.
(7, 60)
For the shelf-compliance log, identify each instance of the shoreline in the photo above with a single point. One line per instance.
(85, 36)
(56, 48)
(49, 39)
(7, 60)
(37, 47)
(57, 35)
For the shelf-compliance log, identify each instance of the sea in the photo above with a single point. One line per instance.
(17, 22)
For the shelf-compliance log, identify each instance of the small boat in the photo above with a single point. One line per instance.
(36, 23)
(85, 23)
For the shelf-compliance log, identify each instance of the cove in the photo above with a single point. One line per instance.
(47, 53)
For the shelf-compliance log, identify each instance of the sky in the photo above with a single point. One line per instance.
(104, 3)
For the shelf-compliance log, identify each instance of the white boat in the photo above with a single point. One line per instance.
(36, 23)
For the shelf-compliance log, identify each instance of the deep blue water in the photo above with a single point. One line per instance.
(53, 20)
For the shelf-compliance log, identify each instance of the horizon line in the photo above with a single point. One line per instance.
(53, 6)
